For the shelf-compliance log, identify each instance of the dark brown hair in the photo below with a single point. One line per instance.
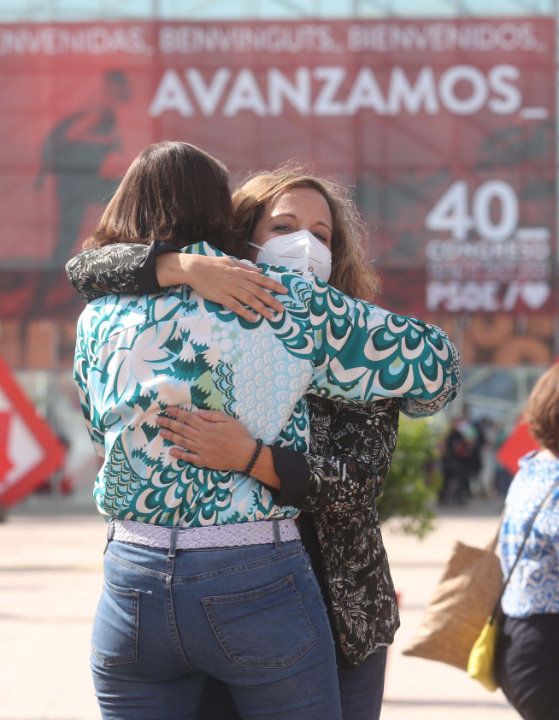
(542, 410)
(351, 273)
(173, 192)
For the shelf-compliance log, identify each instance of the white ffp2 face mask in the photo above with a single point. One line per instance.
(299, 250)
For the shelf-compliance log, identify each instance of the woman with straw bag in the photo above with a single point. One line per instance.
(527, 658)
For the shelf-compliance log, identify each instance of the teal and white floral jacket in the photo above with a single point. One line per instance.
(137, 355)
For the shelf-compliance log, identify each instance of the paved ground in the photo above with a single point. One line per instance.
(419, 689)
(50, 578)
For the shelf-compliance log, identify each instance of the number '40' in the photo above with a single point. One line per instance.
(493, 215)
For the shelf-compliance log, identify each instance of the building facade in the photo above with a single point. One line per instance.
(440, 117)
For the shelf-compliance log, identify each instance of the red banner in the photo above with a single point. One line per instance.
(445, 129)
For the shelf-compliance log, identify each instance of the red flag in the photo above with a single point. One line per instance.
(518, 443)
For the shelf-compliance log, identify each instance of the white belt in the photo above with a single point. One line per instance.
(232, 535)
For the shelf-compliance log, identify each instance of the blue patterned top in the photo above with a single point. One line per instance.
(137, 355)
(534, 586)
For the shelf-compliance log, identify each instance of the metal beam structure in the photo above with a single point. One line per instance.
(64, 10)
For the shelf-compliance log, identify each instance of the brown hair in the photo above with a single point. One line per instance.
(173, 192)
(542, 410)
(351, 272)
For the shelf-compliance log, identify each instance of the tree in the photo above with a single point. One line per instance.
(412, 485)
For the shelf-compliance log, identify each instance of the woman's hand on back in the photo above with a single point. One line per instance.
(207, 438)
(242, 288)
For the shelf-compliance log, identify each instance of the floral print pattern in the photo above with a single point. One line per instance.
(350, 454)
(534, 586)
(351, 446)
(137, 355)
(111, 269)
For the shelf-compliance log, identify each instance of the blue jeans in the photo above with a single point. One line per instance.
(362, 687)
(252, 617)
(361, 690)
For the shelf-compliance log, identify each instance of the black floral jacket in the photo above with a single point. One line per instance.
(350, 453)
(337, 482)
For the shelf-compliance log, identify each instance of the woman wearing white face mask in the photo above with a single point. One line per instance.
(296, 220)
(299, 250)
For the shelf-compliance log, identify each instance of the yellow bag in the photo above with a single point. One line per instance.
(481, 663)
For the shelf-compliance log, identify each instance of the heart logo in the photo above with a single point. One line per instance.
(535, 294)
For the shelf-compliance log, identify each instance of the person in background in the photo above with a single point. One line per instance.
(459, 447)
(74, 152)
(527, 658)
(351, 445)
(487, 433)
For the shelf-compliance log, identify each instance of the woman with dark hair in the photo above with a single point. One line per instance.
(527, 660)
(336, 483)
(167, 194)
(161, 207)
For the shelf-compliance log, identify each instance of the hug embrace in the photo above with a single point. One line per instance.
(246, 416)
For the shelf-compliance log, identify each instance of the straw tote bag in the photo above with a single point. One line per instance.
(463, 600)
(467, 597)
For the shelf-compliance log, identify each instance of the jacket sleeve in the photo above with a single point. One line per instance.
(117, 268)
(363, 352)
(81, 377)
(363, 439)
